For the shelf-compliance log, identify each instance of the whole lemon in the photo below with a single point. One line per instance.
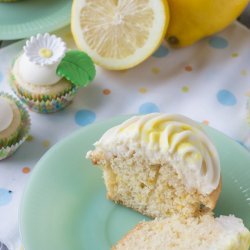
(192, 20)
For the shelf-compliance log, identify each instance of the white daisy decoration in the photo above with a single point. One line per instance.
(45, 49)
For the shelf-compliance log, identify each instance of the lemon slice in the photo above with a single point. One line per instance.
(119, 34)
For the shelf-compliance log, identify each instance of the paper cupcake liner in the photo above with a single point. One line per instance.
(8, 141)
(49, 106)
(45, 105)
(15, 143)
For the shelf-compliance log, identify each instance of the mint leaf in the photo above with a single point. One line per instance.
(77, 67)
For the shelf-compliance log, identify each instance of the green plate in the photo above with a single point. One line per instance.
(28, 17)
(64, 206)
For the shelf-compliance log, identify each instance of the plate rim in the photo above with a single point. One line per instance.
(79, 131)
(45, 25)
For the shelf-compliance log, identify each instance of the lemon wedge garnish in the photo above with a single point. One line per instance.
(119, 34)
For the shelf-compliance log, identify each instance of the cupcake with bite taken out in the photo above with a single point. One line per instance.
(160, 165)
(46, 76)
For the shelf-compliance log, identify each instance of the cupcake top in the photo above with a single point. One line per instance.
(45, 60)
(10, 119)
(169, 138)
(14, 125)
(6, 114)
(41, 56)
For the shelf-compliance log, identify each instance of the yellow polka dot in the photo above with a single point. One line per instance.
(234, 55)
(29, 138)
(21, 248)
(143, 90)
(248, 94)
(244, 72)
(185, 89)
(155, 70)
(46, 143)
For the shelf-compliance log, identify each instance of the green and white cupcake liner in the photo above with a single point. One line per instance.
(7, 148)
(46, 105)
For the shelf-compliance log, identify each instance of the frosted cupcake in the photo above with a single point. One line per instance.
(14, 125)
(46, 76)
(159, 165)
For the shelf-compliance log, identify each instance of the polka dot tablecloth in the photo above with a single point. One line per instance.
(209, 82)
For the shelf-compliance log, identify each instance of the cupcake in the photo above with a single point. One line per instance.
(159, 165)
(14, 125)
(173, 233)
(46, 76)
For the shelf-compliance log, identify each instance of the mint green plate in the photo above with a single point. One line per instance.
(64, 206)
(25, 18)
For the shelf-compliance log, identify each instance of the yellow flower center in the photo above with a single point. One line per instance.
(45, 53)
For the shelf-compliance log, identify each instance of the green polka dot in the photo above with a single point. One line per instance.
(29, 138)
(185, 89)
(234, 55)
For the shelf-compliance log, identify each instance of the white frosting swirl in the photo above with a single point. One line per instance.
(6, 114)
(37, 74)
(170, 138)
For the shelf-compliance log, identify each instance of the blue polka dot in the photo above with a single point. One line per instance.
(148, 108)
(161, 52)
(5, 196)
(218, 42)
(84, 117)
(1, 76)
(226, 98)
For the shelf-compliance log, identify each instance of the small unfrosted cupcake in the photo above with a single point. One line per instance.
(46, 76)
(14, 125)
